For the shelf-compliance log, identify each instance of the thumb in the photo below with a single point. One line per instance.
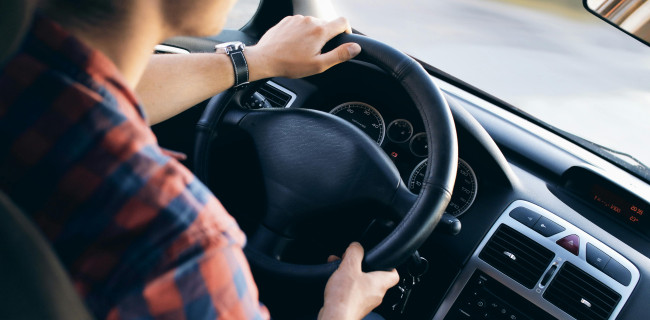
(340, 54)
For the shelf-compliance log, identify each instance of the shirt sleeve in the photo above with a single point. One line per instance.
(210, 277)
(184, 258)
(140, 236)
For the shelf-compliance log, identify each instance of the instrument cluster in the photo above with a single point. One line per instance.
(408, 149)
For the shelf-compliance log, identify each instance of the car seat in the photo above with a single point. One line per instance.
(33, 283)
(15, 16)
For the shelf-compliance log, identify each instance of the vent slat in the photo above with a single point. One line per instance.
(571, 285)
(569, 293)
(596, 292)
(527, 266)
(272, 93)
(530, 258)
(276, 98)
(508, 239)
(579, 314)
(522, 278)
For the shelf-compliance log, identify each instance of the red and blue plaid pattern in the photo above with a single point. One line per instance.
(140, 236)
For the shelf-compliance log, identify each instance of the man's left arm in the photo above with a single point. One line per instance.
(175, 82)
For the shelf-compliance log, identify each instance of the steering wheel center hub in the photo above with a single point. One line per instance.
(312, 160)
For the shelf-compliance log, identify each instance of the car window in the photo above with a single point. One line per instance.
(241, 13)
(550, 58)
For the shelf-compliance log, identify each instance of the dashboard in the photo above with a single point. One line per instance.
(549, 231)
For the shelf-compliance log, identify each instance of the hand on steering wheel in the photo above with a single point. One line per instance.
(351, 293)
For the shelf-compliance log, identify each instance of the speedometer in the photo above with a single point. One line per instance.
(365, 117)
(465, 188)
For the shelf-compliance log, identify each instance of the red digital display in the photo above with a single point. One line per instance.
(622, 209)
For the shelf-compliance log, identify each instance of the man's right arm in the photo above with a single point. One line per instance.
(350, 293)
(292, 49)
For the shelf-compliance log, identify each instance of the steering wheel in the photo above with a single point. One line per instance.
(312, 161)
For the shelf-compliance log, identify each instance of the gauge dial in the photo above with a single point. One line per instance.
(418, 145)
(365, 117)
(465, 187)
(399, 131)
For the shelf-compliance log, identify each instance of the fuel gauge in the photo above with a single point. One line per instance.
(400, 131)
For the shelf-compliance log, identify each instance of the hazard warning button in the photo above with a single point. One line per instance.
(571, 243)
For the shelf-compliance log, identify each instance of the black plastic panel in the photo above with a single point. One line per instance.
(486, 298)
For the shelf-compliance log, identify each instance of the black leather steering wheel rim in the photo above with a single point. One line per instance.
(427, 209)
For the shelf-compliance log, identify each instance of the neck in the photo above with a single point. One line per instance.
(129, 42)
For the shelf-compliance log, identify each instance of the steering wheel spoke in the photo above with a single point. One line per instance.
(268, 242)
(233, 116)
(403, 201)
(314, 161)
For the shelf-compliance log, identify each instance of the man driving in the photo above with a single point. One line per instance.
(140, 235)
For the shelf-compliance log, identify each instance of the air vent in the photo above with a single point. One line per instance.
(516, 255)
(276, 95)
(581, 295)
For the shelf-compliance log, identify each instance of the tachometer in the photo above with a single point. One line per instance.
(365, 117)
(465, 188)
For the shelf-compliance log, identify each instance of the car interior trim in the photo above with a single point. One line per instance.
(583, 157)
(561, 257)
(284, 90)
(163, 48)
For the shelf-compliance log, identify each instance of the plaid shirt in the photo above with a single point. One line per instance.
(141, 236)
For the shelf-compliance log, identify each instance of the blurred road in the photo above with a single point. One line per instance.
(549, 58)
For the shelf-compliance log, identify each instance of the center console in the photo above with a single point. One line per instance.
(534, 265)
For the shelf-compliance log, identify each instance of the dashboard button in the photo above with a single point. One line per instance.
(618, 272)
(596, 257)
(524, 215)
(571, 243)
(547, 228)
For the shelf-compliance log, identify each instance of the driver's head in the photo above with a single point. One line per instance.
(175, 17)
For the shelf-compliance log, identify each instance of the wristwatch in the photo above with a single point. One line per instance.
(235, 50)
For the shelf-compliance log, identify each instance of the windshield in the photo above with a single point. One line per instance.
(550, 58)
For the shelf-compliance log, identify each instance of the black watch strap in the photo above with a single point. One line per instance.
(235, 50)
(241, 67)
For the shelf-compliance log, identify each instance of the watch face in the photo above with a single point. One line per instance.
(228, 47)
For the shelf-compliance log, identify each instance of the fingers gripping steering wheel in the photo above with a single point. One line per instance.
(311, 160)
